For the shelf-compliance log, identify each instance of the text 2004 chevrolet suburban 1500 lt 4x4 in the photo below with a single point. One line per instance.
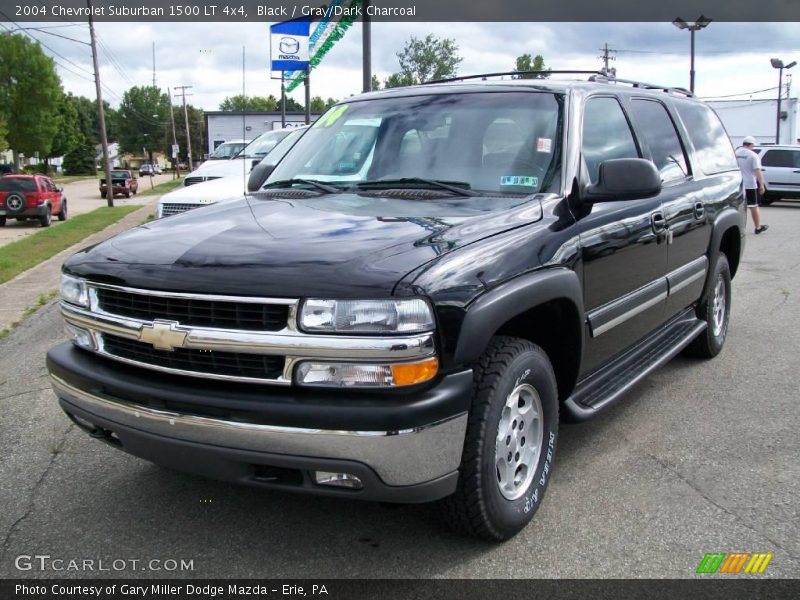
(427, 283)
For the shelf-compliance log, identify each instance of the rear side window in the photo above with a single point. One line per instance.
(713, 149)
(14, 184)
(606, 134)
(661, 137)
(781, 158)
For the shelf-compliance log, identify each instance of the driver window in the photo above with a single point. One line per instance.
(606, 134)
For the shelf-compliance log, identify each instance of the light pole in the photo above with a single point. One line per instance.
(701, 23)
(777, 63)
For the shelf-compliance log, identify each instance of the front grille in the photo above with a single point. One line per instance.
(173, 208)
(194, 180)
(220, 314)
(208, 362)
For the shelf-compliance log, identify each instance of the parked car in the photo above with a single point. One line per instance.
(781, 168)
(227, 150)
(426, 283)
(24, 197)
(242, 162)
(123, 183)
(225, 188)
(146, 169)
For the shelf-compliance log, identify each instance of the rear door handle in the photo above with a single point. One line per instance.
(658, 222)
(699, 210)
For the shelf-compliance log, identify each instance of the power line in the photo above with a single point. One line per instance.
(769, 89)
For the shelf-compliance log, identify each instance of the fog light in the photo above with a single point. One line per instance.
(344, 480)
(366, 375)
(80, 337)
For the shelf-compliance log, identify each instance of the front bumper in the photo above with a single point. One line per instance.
(415, 460)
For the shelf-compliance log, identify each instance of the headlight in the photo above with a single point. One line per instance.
(366, 375)
(366, 316)
(73, 290)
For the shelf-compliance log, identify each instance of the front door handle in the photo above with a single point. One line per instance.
(699, 210)
(658, 222)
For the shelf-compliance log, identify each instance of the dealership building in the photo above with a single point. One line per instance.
(223, 126)
(758, 118)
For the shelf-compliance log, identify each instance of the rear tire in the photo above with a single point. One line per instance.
(715, 311)
(127, 194)
(62, 214)
(767, 199)
(2, 221)
(510, 442)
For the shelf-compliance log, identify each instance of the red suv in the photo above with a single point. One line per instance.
(25, 197)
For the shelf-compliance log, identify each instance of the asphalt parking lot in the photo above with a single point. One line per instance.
(700, 457)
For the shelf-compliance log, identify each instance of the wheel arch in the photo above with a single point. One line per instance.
(726, 237)
(544, 307)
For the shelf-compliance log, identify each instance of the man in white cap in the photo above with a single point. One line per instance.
(753, 179)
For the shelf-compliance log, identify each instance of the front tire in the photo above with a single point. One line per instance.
(510, 442)
(715, 311)
(46, 218)
(62, 214)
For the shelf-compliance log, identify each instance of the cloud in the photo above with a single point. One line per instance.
(731, 57)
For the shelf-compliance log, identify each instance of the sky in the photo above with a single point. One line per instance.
(731, 58)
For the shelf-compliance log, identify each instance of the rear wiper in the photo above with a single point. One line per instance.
(328, 189)
(457, 187)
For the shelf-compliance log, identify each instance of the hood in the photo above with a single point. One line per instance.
(208, 192)
(341, 245)
(223, 168)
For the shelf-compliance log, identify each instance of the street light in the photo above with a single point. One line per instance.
(777, 63)
(701, 23)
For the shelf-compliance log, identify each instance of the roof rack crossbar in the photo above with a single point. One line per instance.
(602, 77)
(512, 73)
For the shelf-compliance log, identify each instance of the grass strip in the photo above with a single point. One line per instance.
(161, 188)
(28, 252)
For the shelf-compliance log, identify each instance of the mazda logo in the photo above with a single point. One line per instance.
(289, 45)
(14, 201)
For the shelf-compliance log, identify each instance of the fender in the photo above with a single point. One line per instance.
(490, 311)
(728, 218)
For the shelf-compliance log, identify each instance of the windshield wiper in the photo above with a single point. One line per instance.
(328, 189)
(457, 187)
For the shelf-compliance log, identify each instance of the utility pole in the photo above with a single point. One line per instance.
(183, 89)
(174, 136)
(366, 47)
(308, 95)
(101, 116)
(606, 57)
(154, 64)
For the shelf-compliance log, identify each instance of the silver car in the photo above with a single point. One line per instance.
(781, 167)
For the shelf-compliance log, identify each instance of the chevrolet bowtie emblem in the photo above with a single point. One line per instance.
(163, 335)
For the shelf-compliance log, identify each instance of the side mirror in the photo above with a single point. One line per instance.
(624, 179)
(259, 175)
(59, 188)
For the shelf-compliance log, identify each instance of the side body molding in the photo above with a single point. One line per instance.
(489, 312)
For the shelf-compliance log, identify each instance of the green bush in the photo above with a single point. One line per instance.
(81, 160)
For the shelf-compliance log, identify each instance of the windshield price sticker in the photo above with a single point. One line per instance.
(544, 145)
(520, 180)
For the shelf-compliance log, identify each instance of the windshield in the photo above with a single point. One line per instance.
(505, 142)
(123, 174)
(282, 147)
(263, 144)
(227, 150)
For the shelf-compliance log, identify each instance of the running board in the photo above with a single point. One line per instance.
(608, 385)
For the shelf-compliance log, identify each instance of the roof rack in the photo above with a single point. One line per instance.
(507, 73)
(595, 76)
(603, 78)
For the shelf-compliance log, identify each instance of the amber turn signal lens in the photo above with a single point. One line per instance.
(418, 372)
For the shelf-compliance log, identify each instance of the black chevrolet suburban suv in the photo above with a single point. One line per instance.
(425, 285)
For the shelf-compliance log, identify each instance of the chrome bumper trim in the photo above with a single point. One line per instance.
(402, 457)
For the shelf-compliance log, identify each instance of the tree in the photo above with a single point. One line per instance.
(69, 134)
(398, 80)
(81, 160)
(142, 119)
(3, 134)
(375, 84)
(526, 63)
(197, 128)
(242, 103)
(426, 60)
(30, 91)
(319, 105)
